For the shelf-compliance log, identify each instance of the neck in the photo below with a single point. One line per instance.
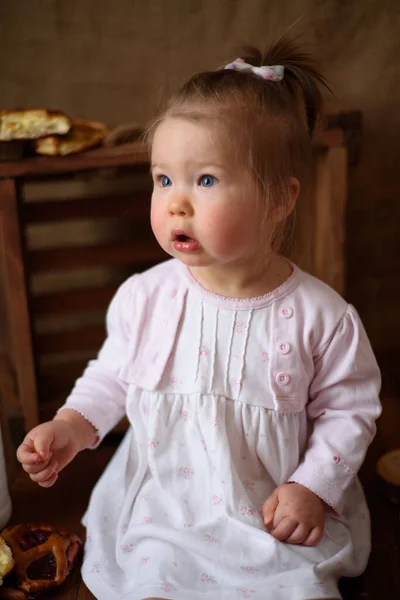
(244, 282)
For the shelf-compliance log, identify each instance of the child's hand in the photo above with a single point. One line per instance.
(47, 449)
(295, 515)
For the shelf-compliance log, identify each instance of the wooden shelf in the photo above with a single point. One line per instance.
(134, 154)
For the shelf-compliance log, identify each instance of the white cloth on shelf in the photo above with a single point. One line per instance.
(5, 500)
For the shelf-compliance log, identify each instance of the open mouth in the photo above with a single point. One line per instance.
(181, 236)
(184, 242)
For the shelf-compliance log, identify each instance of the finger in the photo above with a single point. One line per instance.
(44, 474)
(269, 508)
(49, 482)
(42, 445)
(36, 467)
(284, 529)
(299, 535)
(27, 454)
(313, 537)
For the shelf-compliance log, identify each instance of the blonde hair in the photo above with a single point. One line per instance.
(267, 125)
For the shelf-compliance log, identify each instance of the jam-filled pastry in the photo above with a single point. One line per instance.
(43, 558)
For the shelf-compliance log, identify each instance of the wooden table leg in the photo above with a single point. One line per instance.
(16, 303)
(330, 206)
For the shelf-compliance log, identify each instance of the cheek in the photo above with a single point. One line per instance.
(157, 219)
(236, 220)
(227, 227)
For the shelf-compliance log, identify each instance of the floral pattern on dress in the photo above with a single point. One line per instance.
(210, 538)
(168, 587)
(208, 578)
(248, 485)
(215, 500)
(240, 326)
(245, 592)
(185, 416)
(95, 568)
(186, 472)
(248, 568)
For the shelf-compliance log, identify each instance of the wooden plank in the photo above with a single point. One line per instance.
(84, 593)
(382, 577)
(330, 204)
(9, 403)
(18, 317)
(71, 301)
(136, 206)
(85, 338)
(70, 370)
(328, 138)
(50, 407)
(351, 124)
(56, 378)
(134, 154)
(105, 255)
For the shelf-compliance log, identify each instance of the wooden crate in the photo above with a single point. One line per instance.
(41, 364)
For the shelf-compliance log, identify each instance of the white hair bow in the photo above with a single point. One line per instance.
(274, 73)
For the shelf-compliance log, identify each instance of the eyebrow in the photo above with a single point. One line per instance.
(200, 165)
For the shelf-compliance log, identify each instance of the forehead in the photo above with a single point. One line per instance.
(183, 139)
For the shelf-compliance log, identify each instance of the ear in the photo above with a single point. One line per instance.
(286, 199)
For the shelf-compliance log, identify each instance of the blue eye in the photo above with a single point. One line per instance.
(207, 181)
(165, 181)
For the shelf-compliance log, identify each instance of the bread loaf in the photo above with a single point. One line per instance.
(82, 136)
(32, 124)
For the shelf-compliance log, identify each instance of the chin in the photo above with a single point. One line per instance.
(192, 260)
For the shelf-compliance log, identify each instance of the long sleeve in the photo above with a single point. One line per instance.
(342, 409)
(99, 394)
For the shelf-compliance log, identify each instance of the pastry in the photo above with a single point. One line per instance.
(82, 136)
(32, 124)
(6, 560)
(43, 559)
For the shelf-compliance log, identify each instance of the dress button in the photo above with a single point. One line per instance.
(286, 312)
(282, 378)
(284, 348)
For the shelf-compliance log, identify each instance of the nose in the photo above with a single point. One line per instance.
(180, 205)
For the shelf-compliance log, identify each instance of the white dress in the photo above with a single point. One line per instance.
(177, 514)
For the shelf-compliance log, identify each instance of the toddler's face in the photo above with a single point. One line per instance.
(204, 209)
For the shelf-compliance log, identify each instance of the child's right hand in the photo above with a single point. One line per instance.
(47, 449)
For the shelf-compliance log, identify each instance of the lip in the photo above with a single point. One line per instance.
(187, 245)
(177, 233)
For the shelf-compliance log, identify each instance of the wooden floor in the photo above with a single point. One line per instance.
(64, 504)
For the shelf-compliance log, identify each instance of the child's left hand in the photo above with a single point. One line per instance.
(295, 515)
